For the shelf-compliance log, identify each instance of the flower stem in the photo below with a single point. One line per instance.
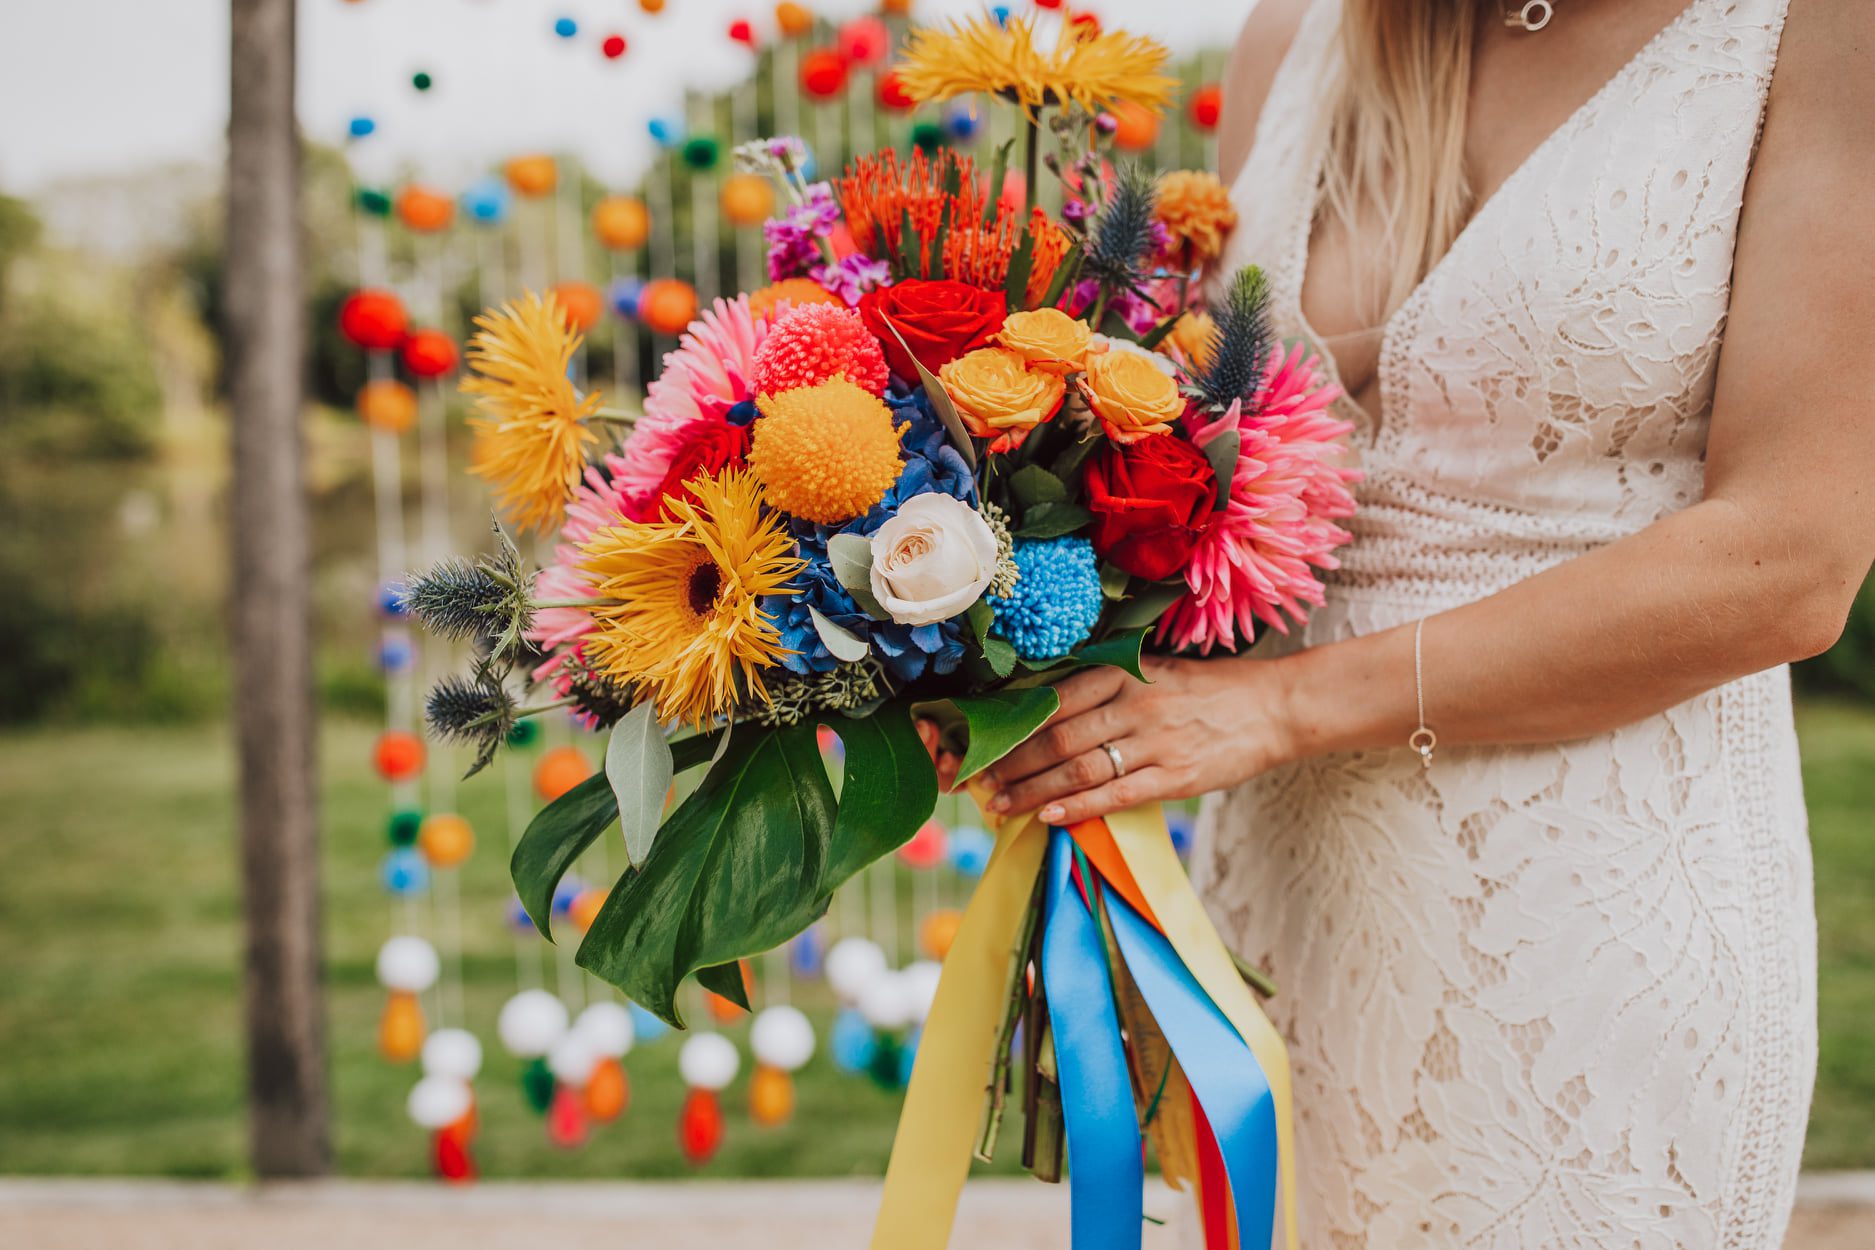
(537, 709)
(538, 604)
(1031, 157)
(616, 416)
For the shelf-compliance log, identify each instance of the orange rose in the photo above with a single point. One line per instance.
(998, 397)
(1048, 339)
(1133, 397)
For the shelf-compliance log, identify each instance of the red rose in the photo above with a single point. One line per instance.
(709, 447)
(1151, 502)
(939, 319)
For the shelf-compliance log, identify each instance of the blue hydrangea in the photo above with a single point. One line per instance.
(1056, 601)
(907, 651)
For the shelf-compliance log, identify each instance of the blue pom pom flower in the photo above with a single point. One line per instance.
(1056, 600)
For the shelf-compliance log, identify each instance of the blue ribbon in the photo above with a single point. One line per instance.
(1219, 1066)
(1106, 1169)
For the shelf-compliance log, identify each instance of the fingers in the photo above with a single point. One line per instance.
(1074, 774)
(1144, 786)
(928, 734)
(947, 762)
(1059, 740)
(1088, 690)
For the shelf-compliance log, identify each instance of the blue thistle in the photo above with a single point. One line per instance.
(1056, 601)
(1122, 237)
(1240, 345)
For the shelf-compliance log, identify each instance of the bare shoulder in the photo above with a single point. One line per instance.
(1822, 103)
(1261, 46)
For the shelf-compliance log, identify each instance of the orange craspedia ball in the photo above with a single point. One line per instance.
(771, 1096)
(621, 222)
(424, 210)
(429, 353)
(559, 770)
(398, 756)
(763, 302)
(668, 305)
(387, 405)
(445, 840)
(1207, 106)
(1136, 126)
(793, 19)
(374, 320)
(939, 932)
(823, 73)
(607, 1092)
(531, 175)
(585, 908)
(580, 302)
(747, 199)
(400, 1028)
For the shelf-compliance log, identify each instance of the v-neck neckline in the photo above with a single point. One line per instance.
(1303, 246)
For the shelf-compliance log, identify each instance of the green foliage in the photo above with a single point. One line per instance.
(999, 722)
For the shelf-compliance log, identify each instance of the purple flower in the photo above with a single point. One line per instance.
(1076, 212)
(794, 238)
(852, 276)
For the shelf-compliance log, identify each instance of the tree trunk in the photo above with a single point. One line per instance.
(265, 340)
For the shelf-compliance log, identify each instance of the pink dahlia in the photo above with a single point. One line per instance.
(1259, 558)
(809, 343)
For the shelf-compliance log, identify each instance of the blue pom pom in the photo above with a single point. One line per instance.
(360, 127)
(851, 1042)
(969, 850)
(624, 295)
(1001, 14)
(395, 655)
(666, 132)
(518, 919)
(565, 27)
(646, 1027)
(487, 201)
(404, 873)
(963, 122)
(570, 888)
(907, 1055)
(1056, 601)
(1182, 828)
(391, 601)
(807, 953)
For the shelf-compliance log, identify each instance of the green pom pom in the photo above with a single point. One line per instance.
(702, 152)
(887, 1064)
(537, 1085)
(524, 734)
(405, 825)
(928, 136)
(373, 201)
(421, 80)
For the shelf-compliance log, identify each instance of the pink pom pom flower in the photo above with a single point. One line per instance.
(810, 343)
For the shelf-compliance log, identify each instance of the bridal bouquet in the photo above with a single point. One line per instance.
(958, 448)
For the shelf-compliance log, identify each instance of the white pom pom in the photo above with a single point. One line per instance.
(608, 1026)
(530, 1023)
(781, 1037)
(407, 963)
(438, 1101)
(921, 982)
(887, 1003)
(452, 1052)
(572, 1059)
(708, 1061)
(853, 964)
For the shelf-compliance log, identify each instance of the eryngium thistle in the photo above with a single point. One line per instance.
(487, 600)
(1121, 237)
(597, 696)
(1240, 345)
(476, 711)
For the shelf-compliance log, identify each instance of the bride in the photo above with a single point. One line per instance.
(1598, 287)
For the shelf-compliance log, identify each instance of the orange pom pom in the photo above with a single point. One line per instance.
(747, 199)
(1138, 126)
(424, 210)
(585, 908)
(559, 770)
(400, 1028)
(793, 19)
(581, 302)
(938, 932)
(667, 306)
(397, 755)
(764, 301)
(653, 7)
(531, 175)
(823, 74)
(771, 1096)
(387, 405)
(445, 840)
(607, 1092)
(429, 353)
(621, 222)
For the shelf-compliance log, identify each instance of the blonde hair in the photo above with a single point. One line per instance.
(1396, 131)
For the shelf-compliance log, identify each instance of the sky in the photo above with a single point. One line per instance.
(93, 87)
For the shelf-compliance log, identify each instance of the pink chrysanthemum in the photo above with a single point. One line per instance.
(1258, 559)
(808, 344)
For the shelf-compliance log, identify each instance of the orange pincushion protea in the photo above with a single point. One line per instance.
(980, 255)
(881, 191)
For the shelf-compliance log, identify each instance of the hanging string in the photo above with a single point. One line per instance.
(705, 236)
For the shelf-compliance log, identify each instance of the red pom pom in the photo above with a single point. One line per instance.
(700, 1127)
(864, 40)
(613, 47)
(812, 342)
(1047, 4)
(823, 74)
(926, 847)
(742, 30)
(398, 756)
(374, 320)
(892, 93)
(1207, 105)
(429, 353)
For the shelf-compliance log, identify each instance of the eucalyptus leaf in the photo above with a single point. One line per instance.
(1052, 520)
(639, 766)
(840, 641)
(1000, 721)
(940, 401)
(850, 556)
(1113, 582)
(1223, 452)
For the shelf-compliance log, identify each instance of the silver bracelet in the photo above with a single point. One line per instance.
(1423, 740)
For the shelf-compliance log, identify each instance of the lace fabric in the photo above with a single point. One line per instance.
(1558, 995)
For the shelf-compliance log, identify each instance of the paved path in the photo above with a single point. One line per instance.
(1835, 1213)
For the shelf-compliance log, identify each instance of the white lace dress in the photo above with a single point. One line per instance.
(1559, 995)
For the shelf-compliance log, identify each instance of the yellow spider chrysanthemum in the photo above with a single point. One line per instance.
(827, 452)
(531, 436)
(685, 623)
(1087, 66)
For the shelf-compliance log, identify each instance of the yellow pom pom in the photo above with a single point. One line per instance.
(825, 453)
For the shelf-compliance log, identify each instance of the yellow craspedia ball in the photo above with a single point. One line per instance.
(825, 453)
(747, 199)
(445, 840)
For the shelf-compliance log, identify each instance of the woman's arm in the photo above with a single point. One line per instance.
(1760, 572)
(1261, 45)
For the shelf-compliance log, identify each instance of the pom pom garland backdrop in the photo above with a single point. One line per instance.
(667, 306)
(1207, 106)
(407, 963)
(853, 964)
(423, 210)
(397, 755)
(452, 1053)
(747, 199)
(428, 354)
(531, 176)
(436, 1102)
(446, 840)
(559, 770)
(621, 223)
(530, 1023)
(580, 303)
(608, 1026)
(613, 47)
(823, 74)
(374, 320)
(793, 20)
(387, 405)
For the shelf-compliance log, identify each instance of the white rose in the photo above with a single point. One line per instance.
(931, 561)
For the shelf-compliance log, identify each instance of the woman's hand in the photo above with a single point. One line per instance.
(1196, 726)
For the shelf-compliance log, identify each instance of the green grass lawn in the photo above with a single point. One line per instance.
(119, 976)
